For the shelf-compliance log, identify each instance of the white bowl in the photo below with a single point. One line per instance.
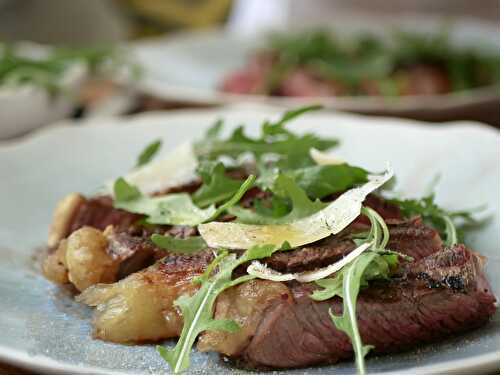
(27, 106)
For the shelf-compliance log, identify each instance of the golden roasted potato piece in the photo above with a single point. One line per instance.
(63, 214)
(54, 265)
(87, 259)
(244, 304)
(140, 307)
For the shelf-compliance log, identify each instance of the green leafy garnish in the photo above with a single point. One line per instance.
(174, 209)
(245, 186)
(47, 71)
(374, 264)
(197, 310)
(124, 192)
(320, 181)
(217, 187)
(302, 206)
(179, 245)
(148, 153)
(368, 65)
(295, 186)
(291, 150)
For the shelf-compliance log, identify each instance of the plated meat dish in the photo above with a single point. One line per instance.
(318, 64)
(269, 251)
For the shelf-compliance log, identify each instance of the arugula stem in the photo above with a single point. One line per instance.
(383, 226)
(351, 308)
(187, 344)
(451, 231)
(377, 224)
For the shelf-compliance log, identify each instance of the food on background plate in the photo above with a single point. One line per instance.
(316, 63)
(30, 64)
(268, 251)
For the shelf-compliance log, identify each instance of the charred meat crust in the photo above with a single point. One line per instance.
(392, 316)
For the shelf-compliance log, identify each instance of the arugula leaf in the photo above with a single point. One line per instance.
(302, 206)
(124, 191)
(277, 127)
(148, 153)
(380, 267)
(197, 310)
(321, 181)
(375, 264)
(236, 197)
(351, 284)
(188, 245)
(291, 149)
(216, 186)
(214, 130)
(275, 206)
(175, 209)
(347, 284)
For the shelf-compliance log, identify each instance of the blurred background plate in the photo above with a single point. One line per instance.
(45, 330)
(189, 66)
(26, 106)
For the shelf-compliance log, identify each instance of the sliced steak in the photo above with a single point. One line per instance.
(412, 237)
(99, 213)
(409, 237)
(312, 256)
(245, 303)
(132, 252)
(442, 294)
(134, 249)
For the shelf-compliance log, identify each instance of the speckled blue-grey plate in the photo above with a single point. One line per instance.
(43, 329)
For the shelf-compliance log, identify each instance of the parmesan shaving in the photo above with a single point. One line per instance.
(176, 168)
(323, 158)
(261, 271)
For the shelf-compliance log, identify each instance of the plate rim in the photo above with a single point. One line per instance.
(43, 363)
(265, 109)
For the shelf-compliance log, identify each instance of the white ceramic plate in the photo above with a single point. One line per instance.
(190, 66)
(42, 328)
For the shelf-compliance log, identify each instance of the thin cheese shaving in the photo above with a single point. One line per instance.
(324, 158)
(174, 169)
(261, 271)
